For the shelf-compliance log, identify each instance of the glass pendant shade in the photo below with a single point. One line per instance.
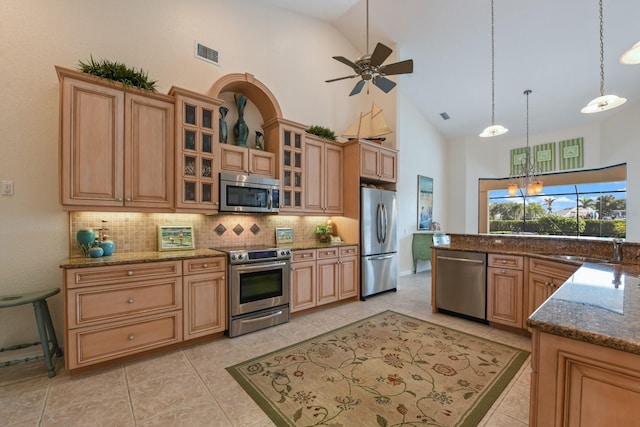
(494, 130)
(632, 56)
(603, 103)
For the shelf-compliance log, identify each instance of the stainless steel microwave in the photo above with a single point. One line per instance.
(249, 194)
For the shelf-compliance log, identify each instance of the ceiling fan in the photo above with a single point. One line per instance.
(369, 67)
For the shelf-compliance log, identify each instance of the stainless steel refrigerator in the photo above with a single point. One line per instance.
(378, 241)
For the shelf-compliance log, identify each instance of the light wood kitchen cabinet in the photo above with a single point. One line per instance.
(322, 276)
(205, 296)
(117, 146)
(292, 173)
(197, 159)
(377, 162)
(323, 176)
(505, 289)
(303, 280)
(574, 383)
(117, 311)
(544, 278)
(247, 161)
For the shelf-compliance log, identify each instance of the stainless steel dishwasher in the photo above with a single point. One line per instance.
(461, 283)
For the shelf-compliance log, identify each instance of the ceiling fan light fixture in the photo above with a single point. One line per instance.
(494, 130)
(632, 56)
(603, 103)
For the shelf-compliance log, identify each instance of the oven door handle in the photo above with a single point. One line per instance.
(268, 316)
(262, 266)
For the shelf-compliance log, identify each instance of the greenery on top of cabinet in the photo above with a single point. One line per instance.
(119, 72)
(322, 132)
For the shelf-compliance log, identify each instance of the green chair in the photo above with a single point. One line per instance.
(45, 327)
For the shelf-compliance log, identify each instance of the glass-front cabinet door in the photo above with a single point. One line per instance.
(292, 172)
(197, 165)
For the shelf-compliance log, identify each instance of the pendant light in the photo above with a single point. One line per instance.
(603, 102)
(526, 179)
(632, 56)
(494, 129)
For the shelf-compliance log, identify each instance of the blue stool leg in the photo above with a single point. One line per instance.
(52, 333)
(44, 340)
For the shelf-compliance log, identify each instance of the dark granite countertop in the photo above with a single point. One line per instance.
(316, 245)
(598, 304)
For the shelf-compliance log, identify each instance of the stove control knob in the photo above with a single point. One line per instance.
(282, 253)
(288, 252)
(240, 256)
(233, 257)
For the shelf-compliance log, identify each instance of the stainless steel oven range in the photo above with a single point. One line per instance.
(258, 288)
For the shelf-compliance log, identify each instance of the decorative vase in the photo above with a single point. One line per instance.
(96, 251)
(224, 132)
(240, 129)
(85, 238)
(259, 141)
(108, 247)
(325, 237)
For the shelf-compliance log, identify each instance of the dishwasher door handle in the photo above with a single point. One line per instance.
(474, 261)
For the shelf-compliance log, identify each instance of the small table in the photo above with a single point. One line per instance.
(421, 248)
(45, 326)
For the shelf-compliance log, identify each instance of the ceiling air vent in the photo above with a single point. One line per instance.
(207, 54)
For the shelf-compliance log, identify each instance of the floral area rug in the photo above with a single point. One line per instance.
(386, 370)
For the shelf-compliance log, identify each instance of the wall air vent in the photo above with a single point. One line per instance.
(207, 54)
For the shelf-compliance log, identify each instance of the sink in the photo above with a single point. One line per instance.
(582, 259)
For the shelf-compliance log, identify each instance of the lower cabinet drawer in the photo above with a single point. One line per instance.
(94, 345)
(108, 303)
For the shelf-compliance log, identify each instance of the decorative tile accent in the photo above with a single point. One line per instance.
(255, 229)
(220, 229)
(238, 229)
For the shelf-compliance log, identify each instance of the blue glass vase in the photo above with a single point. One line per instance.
(85, 238)
(108, 247)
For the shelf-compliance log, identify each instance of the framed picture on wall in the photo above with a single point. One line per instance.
(425, 202)
(176, 238)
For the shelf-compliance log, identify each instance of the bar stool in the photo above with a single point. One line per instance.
(45, 326)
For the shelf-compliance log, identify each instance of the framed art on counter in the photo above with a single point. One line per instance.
(176, 238)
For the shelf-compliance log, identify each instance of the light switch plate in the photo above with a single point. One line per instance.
(7, 188)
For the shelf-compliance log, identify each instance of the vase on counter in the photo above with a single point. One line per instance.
(224, 131)
(85, 238)
(108, 246)
(240, 129)
(96, 251)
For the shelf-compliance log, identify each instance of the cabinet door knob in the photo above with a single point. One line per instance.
(128, 199)
(205, 265)
(131, 300)
(131, 337)
(129, 273)
(222, 278)
(503, 271)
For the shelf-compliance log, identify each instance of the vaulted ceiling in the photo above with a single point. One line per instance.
(551, 47)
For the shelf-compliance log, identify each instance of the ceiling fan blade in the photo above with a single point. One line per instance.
(380, 53)
(345, 61)
(341, 78)
(384, 83)
(402, 67)
(357, 88)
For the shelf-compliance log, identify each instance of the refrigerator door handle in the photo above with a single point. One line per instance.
(379, 223)
(385, 222)
(380, 258)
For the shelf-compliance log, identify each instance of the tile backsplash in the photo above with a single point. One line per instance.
(138, 232)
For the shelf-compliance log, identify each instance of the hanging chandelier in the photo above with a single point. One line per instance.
(603, 102)
(524, 176)
(494, 129)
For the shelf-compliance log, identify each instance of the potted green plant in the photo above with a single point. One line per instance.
(324, 232)
(118, 72)
(322, 132)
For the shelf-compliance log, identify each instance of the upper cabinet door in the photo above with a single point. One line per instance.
(92, 120)
(149, 152)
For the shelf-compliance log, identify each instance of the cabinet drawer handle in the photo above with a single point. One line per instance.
(205, 265)
(131, 300)
(503, 271)
(504, 261)
(129, 273)
(131, 337)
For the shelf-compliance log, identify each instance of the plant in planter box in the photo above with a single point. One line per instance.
(324, 232)
(322, 132)
(118, 72)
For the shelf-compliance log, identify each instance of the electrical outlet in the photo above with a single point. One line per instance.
(7, 188)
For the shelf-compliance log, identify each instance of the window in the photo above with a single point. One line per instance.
(584, 203)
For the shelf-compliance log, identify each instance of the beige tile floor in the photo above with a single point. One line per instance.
(190, 387)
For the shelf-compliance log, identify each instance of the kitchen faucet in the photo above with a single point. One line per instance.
(617, 250)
